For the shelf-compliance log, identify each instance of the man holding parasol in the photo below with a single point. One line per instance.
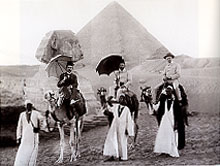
(68, 88)
(122, 80)
(115, 63)
(61, 67)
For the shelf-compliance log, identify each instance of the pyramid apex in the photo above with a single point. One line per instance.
(113, 3)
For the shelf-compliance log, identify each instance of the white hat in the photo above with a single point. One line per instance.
(28, 102)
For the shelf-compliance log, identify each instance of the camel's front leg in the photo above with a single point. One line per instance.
(79, 128)
(61, 131)
(72, 143)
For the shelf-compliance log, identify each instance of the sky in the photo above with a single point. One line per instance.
(189, 27)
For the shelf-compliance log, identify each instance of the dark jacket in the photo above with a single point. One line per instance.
(69, 85)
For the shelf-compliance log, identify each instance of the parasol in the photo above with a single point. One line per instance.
(57, 65)
(109, 64)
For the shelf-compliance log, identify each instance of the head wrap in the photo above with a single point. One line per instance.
(169, 87)
(28, 102)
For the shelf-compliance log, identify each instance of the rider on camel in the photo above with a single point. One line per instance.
(68, 88)
(122, 80)
(171, 76)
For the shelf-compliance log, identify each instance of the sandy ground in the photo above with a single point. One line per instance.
(202, 145)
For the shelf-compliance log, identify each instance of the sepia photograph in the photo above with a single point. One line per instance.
(109, 82)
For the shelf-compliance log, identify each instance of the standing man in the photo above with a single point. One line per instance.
(68, 88)
(121, 127)
(27, 136)
(171, 75)
(171, 132)
(122, 80)
(167, 116)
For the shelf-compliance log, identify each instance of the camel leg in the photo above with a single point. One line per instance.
(72, 143)
(136, 132)
(78, 136)
(135, 129)
(61, 131)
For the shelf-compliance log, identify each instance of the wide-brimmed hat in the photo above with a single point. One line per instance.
(168, 54)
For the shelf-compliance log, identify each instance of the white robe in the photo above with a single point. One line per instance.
(28, 149)
(167, 138)
(116, 140)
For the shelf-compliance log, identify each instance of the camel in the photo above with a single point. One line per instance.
(75, 124)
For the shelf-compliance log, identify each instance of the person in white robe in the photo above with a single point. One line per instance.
(167, 136)
(27, 136)
(121, 128)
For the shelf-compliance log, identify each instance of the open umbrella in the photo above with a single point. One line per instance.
(57, 65)
(109, 64)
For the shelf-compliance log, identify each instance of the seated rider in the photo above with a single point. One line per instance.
(171, 75)
(68, 88)
(122, 80)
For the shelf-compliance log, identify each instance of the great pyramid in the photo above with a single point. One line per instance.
(114, 30)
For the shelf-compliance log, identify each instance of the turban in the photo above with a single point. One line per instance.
(28, 102)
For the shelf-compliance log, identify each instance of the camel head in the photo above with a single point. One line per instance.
(50, 97)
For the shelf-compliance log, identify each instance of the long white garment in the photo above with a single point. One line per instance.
(116, 140)
(166, 139)
(28, 149)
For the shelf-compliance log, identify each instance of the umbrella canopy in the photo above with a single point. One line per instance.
(109, 64)
(57, 65)
(57, 42)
